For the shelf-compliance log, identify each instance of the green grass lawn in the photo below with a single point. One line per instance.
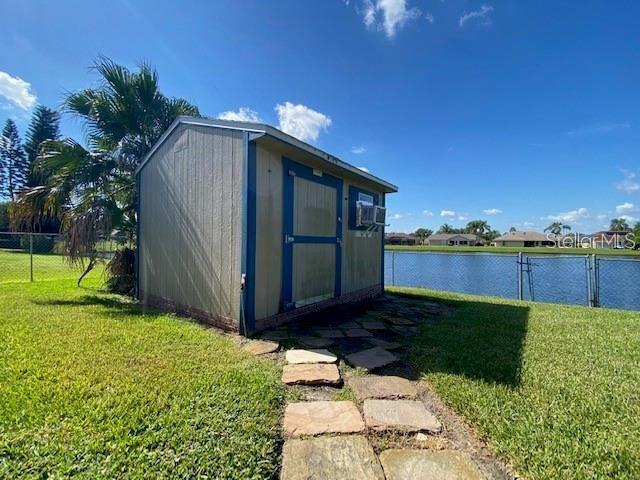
(531, 250)
(555, 390)
(91, 386)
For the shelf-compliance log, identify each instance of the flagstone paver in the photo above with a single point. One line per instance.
(400, 415)
(329, 333)
(404, 330)
(315, 418)
(428, 464)
(314, 342)
(371, 358)
(400, 321)
(330, 458)
(379, 342)
(373, 325)
(357, 332)
(311, 374)
(351, 324)
(260, 347)
(319, 355)
(378, 386)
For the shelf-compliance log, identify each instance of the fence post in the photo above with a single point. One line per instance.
(30, 257)
(596, 280)
(519, 275)
(589, 281)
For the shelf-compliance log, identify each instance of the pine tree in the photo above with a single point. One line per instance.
(13, 161)
(45, 125)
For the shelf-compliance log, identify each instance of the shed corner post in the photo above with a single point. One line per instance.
(137, 257)
(248, 262)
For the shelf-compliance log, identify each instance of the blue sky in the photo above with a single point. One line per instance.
(520, 113)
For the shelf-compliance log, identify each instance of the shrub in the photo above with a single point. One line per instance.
(41, 243)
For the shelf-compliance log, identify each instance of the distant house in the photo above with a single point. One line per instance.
(400, 238)
(610, 239)
(524, 239)
(454, 239)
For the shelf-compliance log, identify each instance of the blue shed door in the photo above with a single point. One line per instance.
(312, 235)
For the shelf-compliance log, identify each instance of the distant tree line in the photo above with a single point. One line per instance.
(18, 163)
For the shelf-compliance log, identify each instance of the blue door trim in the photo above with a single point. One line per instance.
(293, 169)
(250, 280)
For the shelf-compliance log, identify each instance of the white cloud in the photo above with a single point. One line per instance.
(387, 15)
(629, 218)
(395, 216)
(598, 129)
(358, 149)
(492, 211)
(528, 224)
(244, 114)
(629, 184)
(462, 218)
(626, 207)
(483, 15)
(570, 216)
(601, 216)
(364, 169)
(301, 121)
(17, 91)
(447, 213)
(428, 213)
(430, 18)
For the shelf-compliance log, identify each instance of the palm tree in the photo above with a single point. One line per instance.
(566, 228)
(619, 225)
(423, 234)
(92, 190)
(478, 227)
(446, 228)
(555, 228)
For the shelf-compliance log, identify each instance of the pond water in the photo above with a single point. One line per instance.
(610, 281)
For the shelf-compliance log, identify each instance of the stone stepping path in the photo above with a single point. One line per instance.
(315, 418)
(310, 356)
(314, 342)
(311, 374)
(357, 332)
(330, 458)
(372, 358)
(333, 445)
(428, 464)
(378, 342)
(381, 387)
(329, 333)
(373, 325)
(259, 347)
(399, 415)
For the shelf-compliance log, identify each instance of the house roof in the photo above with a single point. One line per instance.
(523, 237)
(448, 236)
(257, 130)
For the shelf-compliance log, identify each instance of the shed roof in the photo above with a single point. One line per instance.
(261, 129)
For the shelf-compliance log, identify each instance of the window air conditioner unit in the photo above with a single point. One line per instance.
(368, 215)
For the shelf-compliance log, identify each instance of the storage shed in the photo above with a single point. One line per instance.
(245, 227)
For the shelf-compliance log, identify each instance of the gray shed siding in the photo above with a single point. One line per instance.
(191, 204)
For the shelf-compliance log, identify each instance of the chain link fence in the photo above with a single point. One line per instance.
(31, 257)
(591, 280)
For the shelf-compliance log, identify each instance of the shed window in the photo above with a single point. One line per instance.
(365, 198)
(359, 195)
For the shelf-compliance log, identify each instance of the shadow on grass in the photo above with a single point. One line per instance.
(113, 306)
(478, 339)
